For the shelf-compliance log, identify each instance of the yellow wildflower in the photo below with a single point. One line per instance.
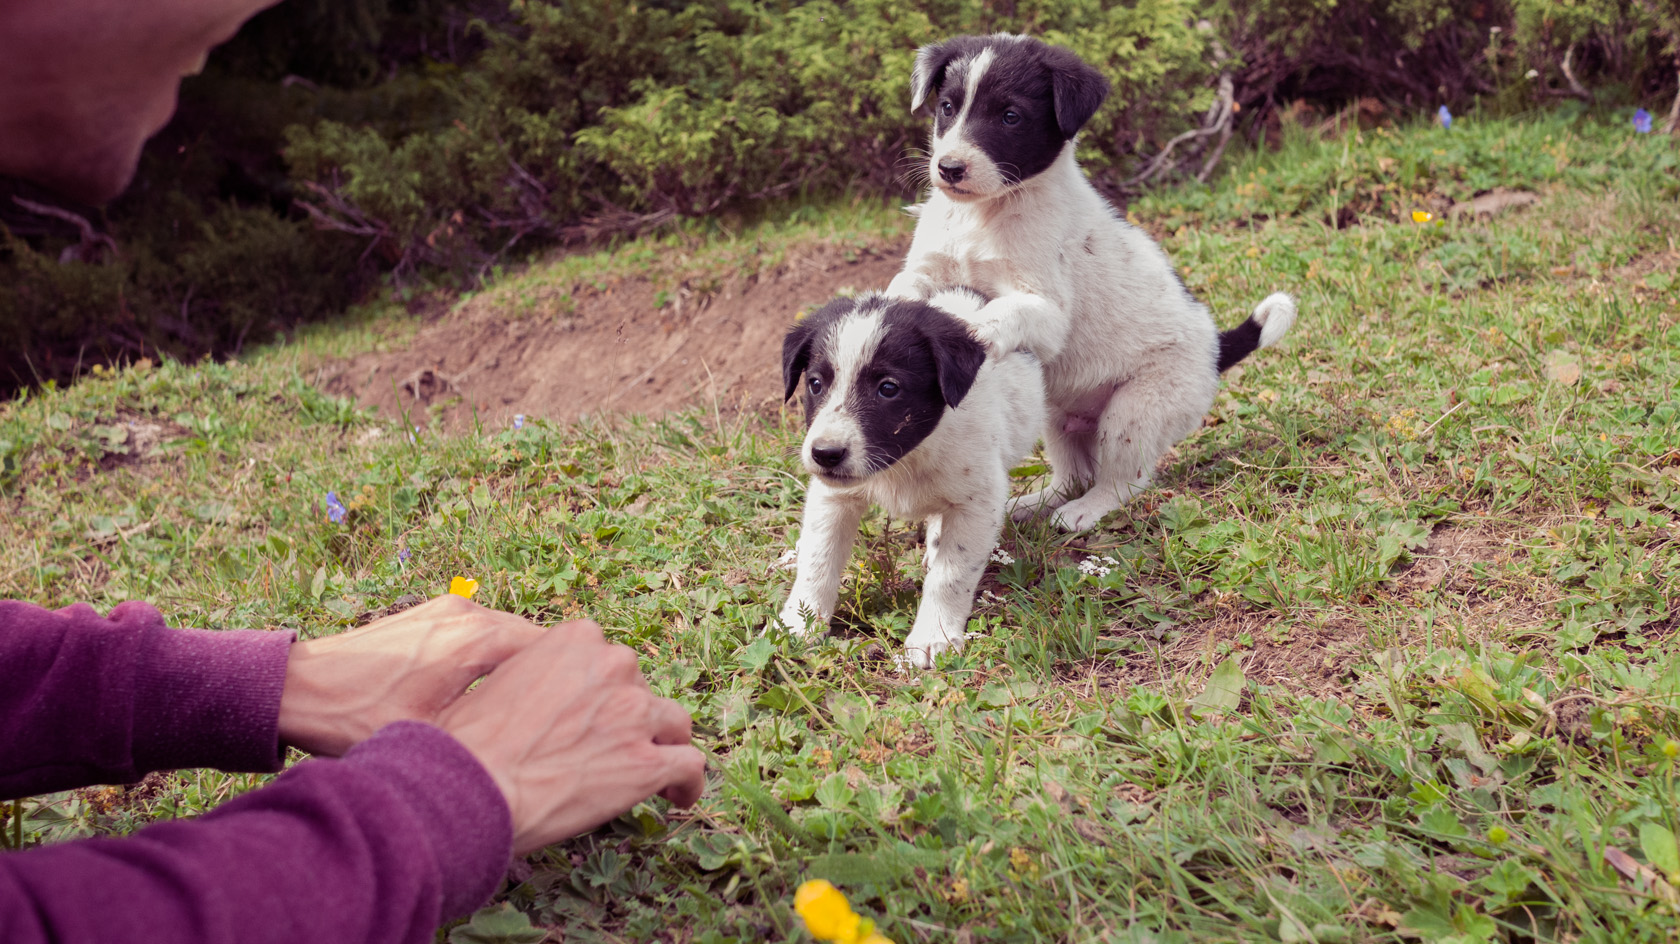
(1022, 864)
(829, 917)
(463, 587)
(1422, 216)
(1403, 425)
(827, 914)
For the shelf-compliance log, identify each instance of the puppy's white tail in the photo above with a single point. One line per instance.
(1271, 320)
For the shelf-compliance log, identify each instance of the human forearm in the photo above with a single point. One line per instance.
(92, 699)
(404, 832)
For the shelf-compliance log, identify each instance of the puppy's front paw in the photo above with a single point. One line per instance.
(998, 341)
(920, 649)
(799, 620)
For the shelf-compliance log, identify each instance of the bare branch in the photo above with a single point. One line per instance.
(1575, 87)
(1218, 120)
(87, 250)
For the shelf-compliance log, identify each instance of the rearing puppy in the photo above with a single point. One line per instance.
(904, 409)
(1131, 360)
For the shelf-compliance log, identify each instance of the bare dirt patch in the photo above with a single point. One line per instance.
(619, 351)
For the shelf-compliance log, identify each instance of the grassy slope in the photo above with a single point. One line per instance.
(1439, 575)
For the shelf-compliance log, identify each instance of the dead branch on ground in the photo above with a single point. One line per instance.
(92, 241)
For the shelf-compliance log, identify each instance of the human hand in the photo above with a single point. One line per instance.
(573, 736)
(410, 665)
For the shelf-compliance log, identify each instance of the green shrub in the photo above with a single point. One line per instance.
(590, 116)
(595, 111)
(231, 277)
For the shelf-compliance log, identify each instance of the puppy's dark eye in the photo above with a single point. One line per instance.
(815, 386)
(947, 109)
(887, 390)
(1011, 116)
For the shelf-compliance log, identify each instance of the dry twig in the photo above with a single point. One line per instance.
(92, 241)
(1575, 87)
(1218, 120)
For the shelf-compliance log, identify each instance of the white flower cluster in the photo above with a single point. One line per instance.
(1096, 567)
(1001, 556)
(990, 598)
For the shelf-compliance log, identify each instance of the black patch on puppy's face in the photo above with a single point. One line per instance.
(895, 367)
(1031, 98)
(797, 348)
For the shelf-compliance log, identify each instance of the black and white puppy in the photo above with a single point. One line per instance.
(1131, 360)
(904, 409)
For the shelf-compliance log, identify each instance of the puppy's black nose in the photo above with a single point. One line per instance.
(828, 456)
(953, 171)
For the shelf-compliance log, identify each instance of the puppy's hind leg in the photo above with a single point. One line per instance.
(825, 542)
(1143, 420)
(1072, 464)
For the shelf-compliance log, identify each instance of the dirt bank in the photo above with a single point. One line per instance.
(616, 349)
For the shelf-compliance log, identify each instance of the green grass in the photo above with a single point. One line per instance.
(1390, 652)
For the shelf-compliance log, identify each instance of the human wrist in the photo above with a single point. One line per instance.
(459, 809)
(482, 745)
(313, 717)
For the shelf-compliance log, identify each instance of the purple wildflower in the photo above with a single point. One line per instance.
(1445, 117)
(403, 555)
(519, 418)
(1642, 121)
(335, 508)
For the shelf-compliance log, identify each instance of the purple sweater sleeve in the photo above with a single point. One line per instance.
(89, 699)
(403, 832)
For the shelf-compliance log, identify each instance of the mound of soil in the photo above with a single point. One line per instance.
(616, 351)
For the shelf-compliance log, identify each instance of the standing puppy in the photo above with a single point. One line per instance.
(904, 409)
(1131, 360)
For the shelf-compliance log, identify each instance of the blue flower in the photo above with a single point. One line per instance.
(1642, 121)
(1444, 117)
(335, 508)
(403, 555)
(519, 418)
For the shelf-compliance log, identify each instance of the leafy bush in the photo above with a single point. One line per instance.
(594, 116)
(591, 117)
(233, 276)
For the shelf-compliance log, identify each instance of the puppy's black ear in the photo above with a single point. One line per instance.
(796, 346)
(1079, 90)
(928, 75)
(796, 354)
(957, 357)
